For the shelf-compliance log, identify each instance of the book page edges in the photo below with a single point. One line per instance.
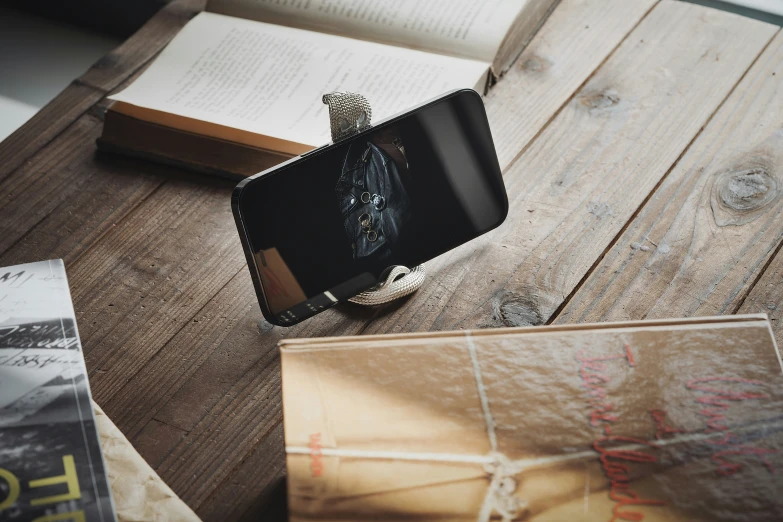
(210, 129)
(326, 342)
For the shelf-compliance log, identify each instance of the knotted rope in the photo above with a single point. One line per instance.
(500, 497)
(400, 282)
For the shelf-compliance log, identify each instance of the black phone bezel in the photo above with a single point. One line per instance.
(309, 155)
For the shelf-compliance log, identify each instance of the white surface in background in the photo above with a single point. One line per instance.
(768, 6)
(13, 114)
(38, 59)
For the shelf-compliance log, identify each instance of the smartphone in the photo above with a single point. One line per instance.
(324, 226)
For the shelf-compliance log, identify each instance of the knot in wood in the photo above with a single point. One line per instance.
(512, 309)
(747, 190)
(600, 100)
(739, 196)
(535, 64)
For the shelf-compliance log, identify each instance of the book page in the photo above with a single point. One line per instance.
(268, 79)
(465, 28)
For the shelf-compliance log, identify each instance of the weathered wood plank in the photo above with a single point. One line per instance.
(247, 414)
(767, 295)
(60, 201)
(576, 38)
(256, 489)
(199, 354)
(63, 199)
(155, 441)
(583, 178)
(104, 76)
(138, 286)
(139, 321)
(47, 123)
(108, 72)
(707, 233)
(92, 192)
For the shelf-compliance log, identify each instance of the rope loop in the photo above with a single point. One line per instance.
(400, 282)
(501, 495)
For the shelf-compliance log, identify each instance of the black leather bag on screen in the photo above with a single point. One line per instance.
(374, 203)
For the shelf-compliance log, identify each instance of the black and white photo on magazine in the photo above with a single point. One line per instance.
(51, 465)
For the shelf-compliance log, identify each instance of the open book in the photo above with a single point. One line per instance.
(239, 88)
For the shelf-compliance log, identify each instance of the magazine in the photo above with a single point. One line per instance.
(51, 465)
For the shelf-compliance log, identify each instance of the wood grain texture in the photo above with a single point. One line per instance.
(64, 198)
(582, 179)
(108, 72)
(139, 285)
(47, 123)
(767, 296)
(576, 38)
(705, 236)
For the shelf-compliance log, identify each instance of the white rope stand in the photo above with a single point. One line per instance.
(350, 113)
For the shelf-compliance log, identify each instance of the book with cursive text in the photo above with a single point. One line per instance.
(667, 420)
(51, 465)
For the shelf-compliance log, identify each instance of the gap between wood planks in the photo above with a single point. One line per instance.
(506, 164)
(744, 304)
(556, 314)
(30, 154)
(577, 90)
(365, 326)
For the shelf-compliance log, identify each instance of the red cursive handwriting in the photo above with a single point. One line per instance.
(718, 401)
(591, 370)
(661, 428)
(619, 478)
(316, 455)
(614, 461)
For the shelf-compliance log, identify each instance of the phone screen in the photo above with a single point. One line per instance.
(329, 225)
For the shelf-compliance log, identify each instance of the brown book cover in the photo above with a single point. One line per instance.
(659, 420)
(130, 136)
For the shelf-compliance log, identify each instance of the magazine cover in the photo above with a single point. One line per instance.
(51, 466)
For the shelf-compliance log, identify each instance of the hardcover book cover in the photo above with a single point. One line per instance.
(676, 420)
(51, 466)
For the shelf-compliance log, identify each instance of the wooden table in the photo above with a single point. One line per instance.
(642, 148)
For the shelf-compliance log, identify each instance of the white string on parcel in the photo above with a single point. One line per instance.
(500, 497)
